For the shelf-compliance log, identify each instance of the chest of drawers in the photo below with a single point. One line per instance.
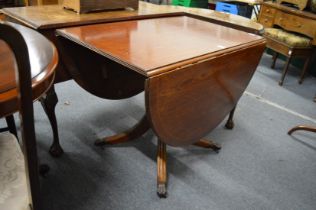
(290, 19)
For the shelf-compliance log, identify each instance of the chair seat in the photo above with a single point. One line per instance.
(291, 39)
(13, 187)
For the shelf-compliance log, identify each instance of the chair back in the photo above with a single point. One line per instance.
(16, 42)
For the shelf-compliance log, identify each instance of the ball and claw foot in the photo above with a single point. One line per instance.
(56, 150)
(162, 190)
(43, 170)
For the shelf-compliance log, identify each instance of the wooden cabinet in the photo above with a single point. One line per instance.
(274, 15)
(290, 19)
(296, 24)
(267, 16)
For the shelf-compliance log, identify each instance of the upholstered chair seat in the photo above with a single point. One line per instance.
(291, 39)
(13, 187)
(289, 44)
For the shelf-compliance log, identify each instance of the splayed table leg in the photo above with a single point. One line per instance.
(138, 130)
(161, 169)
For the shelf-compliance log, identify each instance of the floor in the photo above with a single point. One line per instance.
(259, 167)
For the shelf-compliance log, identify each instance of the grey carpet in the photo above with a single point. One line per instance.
(259, 167)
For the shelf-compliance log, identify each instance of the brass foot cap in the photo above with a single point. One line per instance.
(162, 190)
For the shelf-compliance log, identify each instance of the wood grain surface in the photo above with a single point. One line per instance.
(194, 72)
(47, 18)
(7, 63)
(43, 60)
(83, 6)
(184, 105)
(150, 44)
(290, 19)
(54, 16)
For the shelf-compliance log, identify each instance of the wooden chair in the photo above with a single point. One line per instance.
(290, 45)
(19, 181)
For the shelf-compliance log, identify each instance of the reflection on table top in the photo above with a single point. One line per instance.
(43, 60)
(150, 44)
(40, 55)
(53, 16)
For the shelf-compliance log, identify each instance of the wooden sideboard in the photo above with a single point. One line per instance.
(290, 19)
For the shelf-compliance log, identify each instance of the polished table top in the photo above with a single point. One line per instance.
(192, 71)
(53, 16)
(46, 19)
(43, 60)
(148, 45)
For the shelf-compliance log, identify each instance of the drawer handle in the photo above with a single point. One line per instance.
(267, 10)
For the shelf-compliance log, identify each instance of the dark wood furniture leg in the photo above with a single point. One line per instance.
(286, 67)
(304, 70)
(208, 144)
(161, 169)
(274, 58)
(11, 125)
(138, 130)
(49, 102)
(303, 128)
(230, 122)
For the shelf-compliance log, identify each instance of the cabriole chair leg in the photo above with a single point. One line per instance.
(49, 102)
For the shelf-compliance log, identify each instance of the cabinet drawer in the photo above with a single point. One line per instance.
(296, 24)
(268, 11)
(266, 21)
